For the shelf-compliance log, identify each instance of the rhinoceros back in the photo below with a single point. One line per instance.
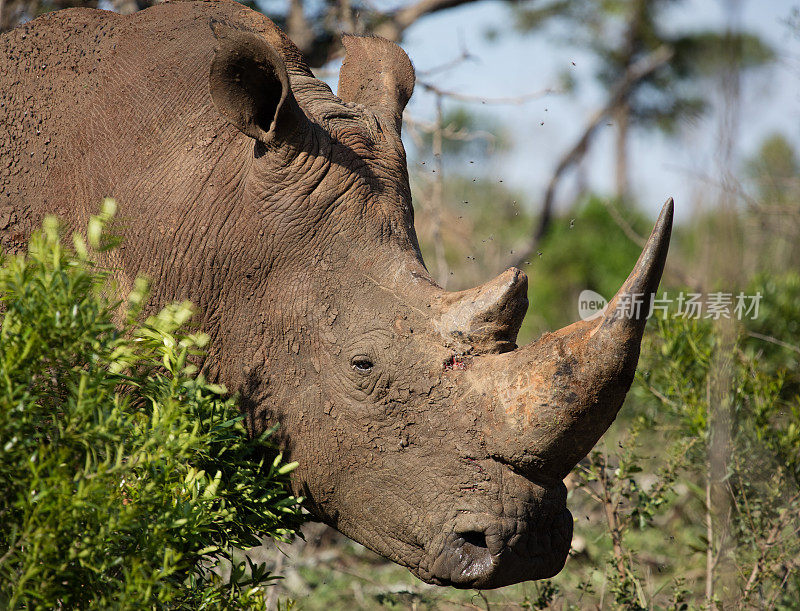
(48, 69)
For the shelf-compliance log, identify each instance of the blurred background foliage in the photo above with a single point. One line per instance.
(691, 500)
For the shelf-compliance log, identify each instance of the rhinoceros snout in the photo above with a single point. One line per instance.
(488, 559)
(484, 550)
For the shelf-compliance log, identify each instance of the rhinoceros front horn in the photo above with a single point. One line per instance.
(551, 401)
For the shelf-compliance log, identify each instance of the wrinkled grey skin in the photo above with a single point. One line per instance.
(284, 212)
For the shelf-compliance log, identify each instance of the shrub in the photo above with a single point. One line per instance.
(127, 478)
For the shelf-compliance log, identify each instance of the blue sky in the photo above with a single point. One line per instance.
(514, 64)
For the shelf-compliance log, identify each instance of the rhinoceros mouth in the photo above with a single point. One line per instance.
(484, 551)
(467, 559)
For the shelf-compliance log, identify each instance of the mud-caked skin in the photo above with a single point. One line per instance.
(284, 212)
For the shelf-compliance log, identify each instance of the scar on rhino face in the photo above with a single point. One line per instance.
(457, 362)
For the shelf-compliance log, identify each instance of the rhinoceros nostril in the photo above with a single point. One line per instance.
(475, 539)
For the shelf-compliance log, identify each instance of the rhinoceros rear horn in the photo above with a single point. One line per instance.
(250, 86)
(378, 74)
(486, 319)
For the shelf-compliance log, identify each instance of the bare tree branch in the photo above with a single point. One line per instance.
(321, 45)
(626, 227)
(638, 71)
(395, 24)
(318, 47)
(773, 340)
(462, 57)
(462, 97)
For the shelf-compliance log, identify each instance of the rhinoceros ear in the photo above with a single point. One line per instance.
(250, 86)
(378, 74)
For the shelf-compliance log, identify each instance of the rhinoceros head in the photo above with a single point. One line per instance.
(421, 429)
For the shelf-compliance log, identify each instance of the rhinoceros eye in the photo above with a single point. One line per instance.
(362, 364)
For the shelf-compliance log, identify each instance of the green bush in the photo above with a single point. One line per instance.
(127, 478)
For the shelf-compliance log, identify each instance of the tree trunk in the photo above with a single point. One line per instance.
(622, 120)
